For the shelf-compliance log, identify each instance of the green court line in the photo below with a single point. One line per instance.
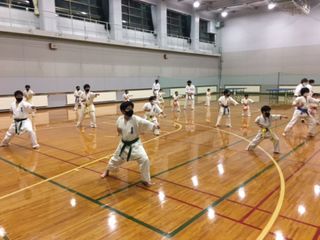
(97, 201)
(228, 194)
(181, 164)
(157, 230)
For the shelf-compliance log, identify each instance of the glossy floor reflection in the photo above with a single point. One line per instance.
(206, 186)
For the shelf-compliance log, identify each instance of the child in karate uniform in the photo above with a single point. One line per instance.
(264, 121)
(21, 123)
(302, 110)
(126, 96)
(190, 92)
(224, 110)
(246, 101)
(77, 93)
(130, 148)
(151, 111)
(87, 106)
(175, 103)
(208, 98)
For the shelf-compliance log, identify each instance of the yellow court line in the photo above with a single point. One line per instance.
(82, 166)
(276, 211)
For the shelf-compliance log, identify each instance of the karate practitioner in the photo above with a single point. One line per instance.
(224, 110)
(246, 101)
(77, 93)
(21, 123)
(190, 92)
(264, 121)
(152, 111)
(175, 103)
(302, 110)
(130, 148)
(126, 96)
(87, 106)
(208, 98)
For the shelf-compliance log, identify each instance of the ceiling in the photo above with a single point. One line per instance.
(243, 6)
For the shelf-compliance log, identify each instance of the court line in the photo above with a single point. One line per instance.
(87, 198)
(229, 200)
(183, 164)
(82, 166)
(274, 190)
(276, 212)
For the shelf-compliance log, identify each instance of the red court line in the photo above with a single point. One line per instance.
(274, 190)
(229, 200)
(317, 235)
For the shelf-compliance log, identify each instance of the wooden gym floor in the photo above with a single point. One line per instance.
(206, 185)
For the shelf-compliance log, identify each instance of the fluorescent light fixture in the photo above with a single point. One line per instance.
(196, 4)
(271, 5)
(224, 14)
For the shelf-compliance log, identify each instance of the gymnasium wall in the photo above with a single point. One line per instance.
(270, 49)
(28, 60)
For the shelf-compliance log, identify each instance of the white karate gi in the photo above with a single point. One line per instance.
(176, 104)
(28, 95)
(77, 95)
(21, 123)
(224, 110)
(265, 132)
(130, 131)
(303, 110)
(151, 111)
(87, 107)
(155, 89)
(298, 89)
(246, 106)
(208, 99)
(190, 92)
(126, 97)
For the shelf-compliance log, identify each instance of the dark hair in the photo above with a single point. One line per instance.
(208, 89)
(77, 86)
(226, 91)
(311, 80)
(246, 95)
(265, 108)
(18, 92)
(27, 86)
(304, 90)
(304, 80)
(124, 105)
(86, 86)
(157, 80)
(189, 81)
(152, 98)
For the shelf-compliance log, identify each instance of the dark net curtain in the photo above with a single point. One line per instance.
(18, 4)
(137, 15)
(82, 9)
(178, 24)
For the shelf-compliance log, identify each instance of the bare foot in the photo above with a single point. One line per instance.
(105, 174)
(147, 184)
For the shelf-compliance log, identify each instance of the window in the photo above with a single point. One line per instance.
(90, 9)
(204, 36)
(178, 24)
(137, 15)
(19, 4)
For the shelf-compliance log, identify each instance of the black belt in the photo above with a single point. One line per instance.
(18, 124)
(128, 144)
(226, 109)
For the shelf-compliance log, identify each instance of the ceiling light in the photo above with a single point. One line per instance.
(271, 6)
(224, 13)
(196, 4)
